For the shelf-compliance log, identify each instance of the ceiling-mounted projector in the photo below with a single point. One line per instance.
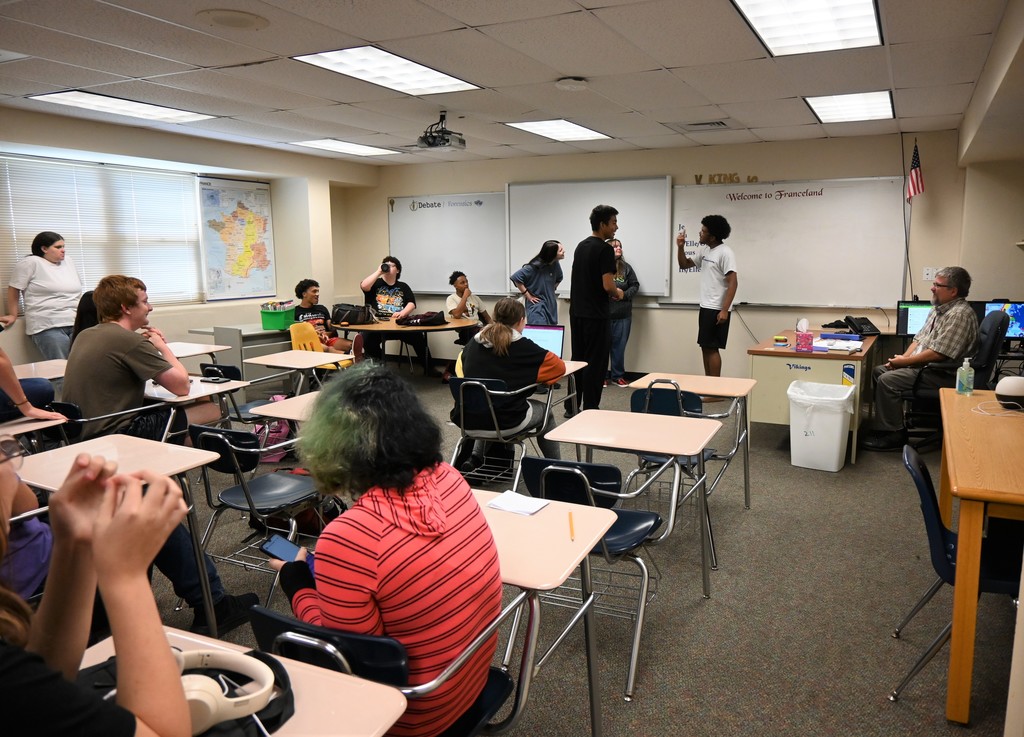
(437, 135)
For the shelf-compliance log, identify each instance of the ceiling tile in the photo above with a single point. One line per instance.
(928, 101)
(476, 13)
(790, 132)
(933, 63)
(837, 72)
(919, 20)
(555, 103)
(676, 140)
(623, 125)
(575, 44)
(373, 20)
(770, 113)
(488, 62)
(233, 87)
(155, 94)
(310, 80)
(720, 137)
(63, 76)
(681, 34)
(739, 81)
(862, 128)
(644, 91)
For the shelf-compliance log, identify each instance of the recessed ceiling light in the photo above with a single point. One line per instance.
(11, 56)
(804, 26)
(117, 106)
(559, 130)
(376, 66)
(344, 147)
(237, 20)
(848, 108)
(571, 84)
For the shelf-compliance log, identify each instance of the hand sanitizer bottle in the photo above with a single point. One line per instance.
(965, 378)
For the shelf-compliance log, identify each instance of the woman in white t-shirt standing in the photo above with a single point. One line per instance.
(49, 283)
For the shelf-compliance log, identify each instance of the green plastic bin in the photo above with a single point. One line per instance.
(277, 319)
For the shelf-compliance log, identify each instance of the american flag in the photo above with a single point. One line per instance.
(915, 182)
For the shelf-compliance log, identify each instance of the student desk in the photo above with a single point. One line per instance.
(674, 437)
(292, 409)
(390, 326)
(775, 369)
(51, 369)
(299, 362)
(536, 554)
(47, 471)
(326, 702)
(246, 341)
(716, 386)
(981, 468)
(197, 390)
(189, 350)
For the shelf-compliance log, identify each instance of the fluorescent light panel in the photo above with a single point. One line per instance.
(379, 67)
(559, 130)
(804, 26)
(344, 147)
(117, 106)
(848, 108)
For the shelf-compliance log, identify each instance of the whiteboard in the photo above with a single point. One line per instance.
(560, 211)
(828, 243)
(434, 235)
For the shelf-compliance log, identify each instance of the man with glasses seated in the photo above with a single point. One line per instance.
(949, 334)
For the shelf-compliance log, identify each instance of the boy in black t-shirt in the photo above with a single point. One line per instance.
(310, 310)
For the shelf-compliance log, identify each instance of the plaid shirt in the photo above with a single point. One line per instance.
(951, 329)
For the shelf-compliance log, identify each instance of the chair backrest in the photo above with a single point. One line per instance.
(474, 404)
(658, 401)
(572, 481)
(357, 348)
(239, 450)
(304, 337)
(380, 659)
(70, 430)
(941, 540)
(991, 334)
(224, 370)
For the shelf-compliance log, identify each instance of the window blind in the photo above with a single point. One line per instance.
(114, 219)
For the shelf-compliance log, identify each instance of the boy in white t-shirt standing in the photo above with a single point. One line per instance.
(718, 283)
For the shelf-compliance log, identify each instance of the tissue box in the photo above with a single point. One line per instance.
(804, 342)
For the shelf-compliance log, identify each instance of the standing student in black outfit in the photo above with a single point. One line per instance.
(593, 283)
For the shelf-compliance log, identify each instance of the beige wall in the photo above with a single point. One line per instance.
(361, 236)
(331, 222)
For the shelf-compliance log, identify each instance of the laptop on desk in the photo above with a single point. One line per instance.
(549, 337)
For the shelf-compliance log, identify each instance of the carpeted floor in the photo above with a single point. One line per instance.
(795, 639)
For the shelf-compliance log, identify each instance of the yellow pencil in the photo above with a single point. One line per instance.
(572, 530)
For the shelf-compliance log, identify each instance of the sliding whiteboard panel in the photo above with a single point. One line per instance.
(434, 235)
(560, 211)
(827, 243)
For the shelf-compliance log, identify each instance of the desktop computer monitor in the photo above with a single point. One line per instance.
(910, 317)
(1016, 312)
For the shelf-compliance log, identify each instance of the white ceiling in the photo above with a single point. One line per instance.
(653, 66)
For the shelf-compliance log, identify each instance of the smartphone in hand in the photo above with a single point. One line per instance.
(280, 548)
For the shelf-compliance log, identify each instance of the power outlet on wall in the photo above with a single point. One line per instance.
(930, 272)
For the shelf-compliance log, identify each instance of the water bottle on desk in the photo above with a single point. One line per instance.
(965, 378)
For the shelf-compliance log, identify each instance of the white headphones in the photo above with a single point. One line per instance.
(207, 704)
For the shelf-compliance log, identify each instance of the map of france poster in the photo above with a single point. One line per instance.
(238, 239)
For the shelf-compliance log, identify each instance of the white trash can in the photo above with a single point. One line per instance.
(819, 424)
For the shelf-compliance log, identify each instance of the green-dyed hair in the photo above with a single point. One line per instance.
(368, 428)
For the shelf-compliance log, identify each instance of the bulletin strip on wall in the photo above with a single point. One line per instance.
(434, 235)
(827, 243)
(541, 211)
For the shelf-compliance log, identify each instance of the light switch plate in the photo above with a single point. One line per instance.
(930, 272)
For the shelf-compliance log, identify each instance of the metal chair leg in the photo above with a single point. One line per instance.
(641, 609)
(926, 658)
(932, 590)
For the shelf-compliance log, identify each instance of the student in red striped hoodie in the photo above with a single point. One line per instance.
(413, 558)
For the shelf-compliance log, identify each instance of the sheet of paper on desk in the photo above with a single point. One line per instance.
(839, 346)
(509, 501)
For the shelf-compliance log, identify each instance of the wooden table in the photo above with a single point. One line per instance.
(716, 386)
(388, 326)
(674, 437)
(292, 409)
(544, 565)
(981, 468)
(182, 349)
(775, 369)
(326, 702)
(47, 471)
(51, 369)
(299, 362)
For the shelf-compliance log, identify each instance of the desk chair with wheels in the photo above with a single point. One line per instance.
(381, 659)
(669, 399)
(275, 494)
(475, 414)
(921, 415)
(1000, 560)
(597, 485)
